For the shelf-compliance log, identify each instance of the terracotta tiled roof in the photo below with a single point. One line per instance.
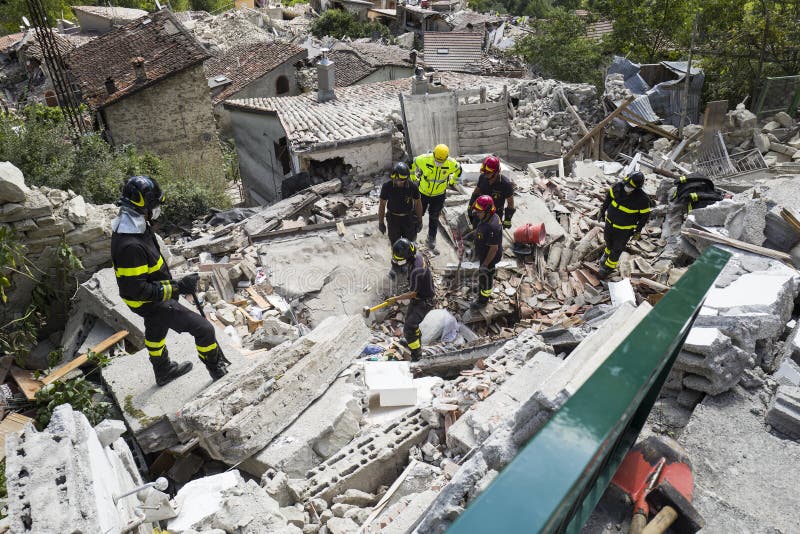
(349, 66)
(7, 41)
(34, 50)
(248, 62)
(165, 45)
(358, 111)
(454, 51)
(596, 30)
(355, 61)
(112, 13)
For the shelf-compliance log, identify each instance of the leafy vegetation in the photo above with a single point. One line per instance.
(530, 8)
(559, 48)
(39, 143)
(78, 392)
(340, 24)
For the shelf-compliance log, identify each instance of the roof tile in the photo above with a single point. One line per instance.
(454, 51)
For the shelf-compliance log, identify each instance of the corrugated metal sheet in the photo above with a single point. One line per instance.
(454, 51)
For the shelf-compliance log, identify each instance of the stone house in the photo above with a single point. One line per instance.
(97, 20)
(262, 69)
(146, 85)
(360, 63)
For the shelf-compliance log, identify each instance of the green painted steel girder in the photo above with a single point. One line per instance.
(555, 482)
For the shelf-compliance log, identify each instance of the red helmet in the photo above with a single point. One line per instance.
(491, 165)
(484, 203)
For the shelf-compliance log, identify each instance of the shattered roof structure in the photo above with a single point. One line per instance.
(355, 61)
(34, 50)
(248, 62)
(466, 21)
(7, 41)
(165, 45)
(111, 13)
(454, 51)
(357, 112)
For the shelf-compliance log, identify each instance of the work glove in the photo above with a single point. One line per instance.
(188, 284)
(506, 223)
(382, 227)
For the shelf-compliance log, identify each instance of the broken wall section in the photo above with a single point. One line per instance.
(64, 478)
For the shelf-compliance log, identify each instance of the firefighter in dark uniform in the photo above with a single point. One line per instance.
(147, 287)
(491, 182)
(488, 247)
(625, 212)
(421, 282)
(404, 217)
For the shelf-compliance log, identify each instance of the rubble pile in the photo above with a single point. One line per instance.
(230, 29)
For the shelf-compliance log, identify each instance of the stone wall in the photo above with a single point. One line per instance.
(40, 216)
(173, 119)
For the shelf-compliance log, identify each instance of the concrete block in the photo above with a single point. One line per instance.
(784, 411)
(341, 525)
(410, 515)
(392, 381)
(326, 426)
(711, 361)
(12, 183)
(374, 459)
(485, 417)
(244, 411)
(63, 479)
(150, 410)
(201, 498)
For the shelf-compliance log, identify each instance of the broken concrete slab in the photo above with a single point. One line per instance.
(326, 426)
(784, 411)
(392, 382)
(483, 418)
(64, 480)
(532, 209)
(731, 452)
(150, 410)
(450, 363)
(245, 410)
(711, 361)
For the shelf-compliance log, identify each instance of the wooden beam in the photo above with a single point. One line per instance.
(83, 358)
(599, 126)
(640, 121)
(27, 384)
(693, 232)
(12, 424)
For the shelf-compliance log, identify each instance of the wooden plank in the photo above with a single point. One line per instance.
(223, 284)
(83, 358)
(26, 382)
(257, 298)
(12, 424)
(599, 126)
(484, 141)
(484, 124)
(340, 228)
(483, 134)
(208, 267)
(738, 244)
(481, 107)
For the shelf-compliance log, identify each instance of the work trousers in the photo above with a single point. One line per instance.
(161, 317)
(485, 283)
(415, 313)
(434, 206)
(398, 226)
(616, 240)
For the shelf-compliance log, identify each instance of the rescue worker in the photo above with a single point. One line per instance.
(433, 172)
(625, 211)
(404, 218)
(492, 182)
(420, 281)
(147, 287)
(488, 247)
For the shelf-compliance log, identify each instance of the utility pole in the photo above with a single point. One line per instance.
(686, 84)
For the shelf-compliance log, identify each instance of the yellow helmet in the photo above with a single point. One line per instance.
(441, 152)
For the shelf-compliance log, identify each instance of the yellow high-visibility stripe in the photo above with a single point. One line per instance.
(694, 197)
(622, 208)
(135, 303)
(486, 292)
(155, 352)
(155, 344)
(629, 227)
(646, 210)
(157, 266)
(167, 289)
(130, 271)
(607, 251)
(208, 348)
(611, 264)
(413, 345)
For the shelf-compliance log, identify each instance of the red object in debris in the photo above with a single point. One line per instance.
(532, 234)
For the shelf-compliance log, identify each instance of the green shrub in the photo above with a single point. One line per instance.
(340, 24)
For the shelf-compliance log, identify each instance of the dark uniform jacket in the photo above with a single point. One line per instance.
(420, 279)
(488, 233)
(142, 273)
(626, 211)
(499, 191)
(399, 200)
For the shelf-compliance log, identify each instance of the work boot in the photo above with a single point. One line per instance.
(604, 272)
(602, 259)
(166, 370)
(431, 243)
(216, 364)
(479, 304)
(416, 354)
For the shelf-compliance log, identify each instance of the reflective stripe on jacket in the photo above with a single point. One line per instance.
(431, 178)
(626, 211)
(141, 272)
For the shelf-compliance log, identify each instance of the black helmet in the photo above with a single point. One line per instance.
(403, 250)
(142, 193)
(400, 171)
(635, 179)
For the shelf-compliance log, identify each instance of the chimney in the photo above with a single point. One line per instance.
(419, 85)
(138, 67)
(326, 78)
(111, 87)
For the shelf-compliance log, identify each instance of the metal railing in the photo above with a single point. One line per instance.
(715, 162)
(555, 482)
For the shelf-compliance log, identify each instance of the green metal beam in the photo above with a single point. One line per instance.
(555, 482)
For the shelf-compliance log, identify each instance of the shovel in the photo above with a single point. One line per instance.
(366, 311)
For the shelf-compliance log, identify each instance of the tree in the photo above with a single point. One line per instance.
(560, 49)
(339, 24)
